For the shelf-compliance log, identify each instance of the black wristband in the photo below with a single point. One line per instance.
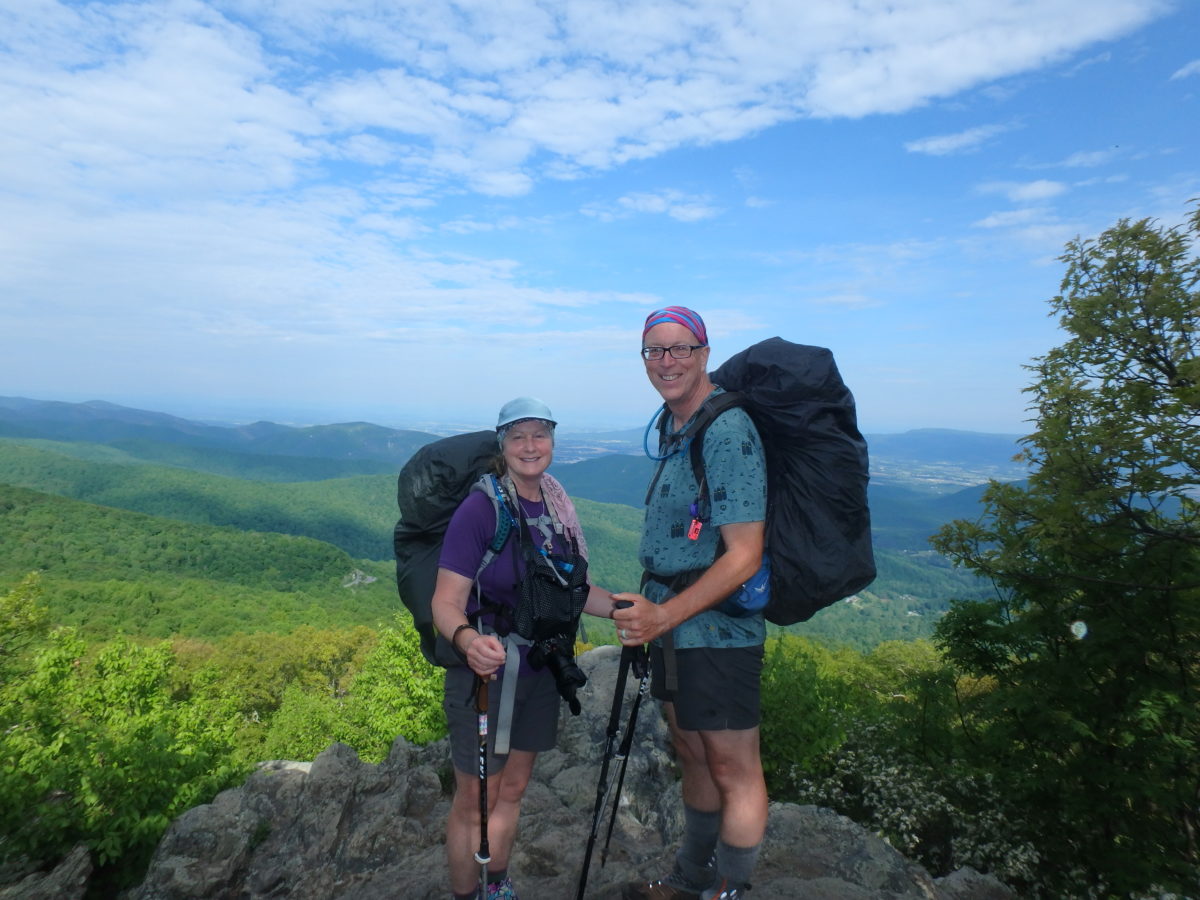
(454, 637)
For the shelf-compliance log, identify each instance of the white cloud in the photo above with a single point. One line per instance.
(1192, 68)
(960, 142)
(483, 93)
(194, 186)
(1087, 159)
(678, 205)
(1024, 191)
(1011, 218)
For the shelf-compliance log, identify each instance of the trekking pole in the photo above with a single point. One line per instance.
(610, 742)
(483, 855)
(641, 668)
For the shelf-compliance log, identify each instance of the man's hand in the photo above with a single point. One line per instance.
(638, 620)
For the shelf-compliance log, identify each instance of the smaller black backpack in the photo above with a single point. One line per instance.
(429, 489)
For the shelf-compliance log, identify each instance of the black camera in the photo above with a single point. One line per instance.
(557, 652)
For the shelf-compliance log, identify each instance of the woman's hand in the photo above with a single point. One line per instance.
(484, 652)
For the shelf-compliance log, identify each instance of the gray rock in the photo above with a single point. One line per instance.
(342, 828)
(67, 881)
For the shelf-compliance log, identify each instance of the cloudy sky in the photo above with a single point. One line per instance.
(410, 212)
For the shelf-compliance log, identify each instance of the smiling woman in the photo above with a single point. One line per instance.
(508, 602)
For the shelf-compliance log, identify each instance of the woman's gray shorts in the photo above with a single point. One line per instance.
(534, 724)
(719, 688)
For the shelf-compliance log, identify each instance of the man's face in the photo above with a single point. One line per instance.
(677, 380)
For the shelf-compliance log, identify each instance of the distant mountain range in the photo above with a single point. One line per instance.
(920, 479)
(107, 423)
(940, 460)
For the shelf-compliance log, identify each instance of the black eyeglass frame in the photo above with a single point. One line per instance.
(655, 353)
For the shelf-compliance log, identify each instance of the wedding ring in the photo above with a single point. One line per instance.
(624, 634)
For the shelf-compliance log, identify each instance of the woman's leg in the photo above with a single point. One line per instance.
(462, 831)
(502, 820)
(505, 790)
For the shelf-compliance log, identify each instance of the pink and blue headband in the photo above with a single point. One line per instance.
(679, 315)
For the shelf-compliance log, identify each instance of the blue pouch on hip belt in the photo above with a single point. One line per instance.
(752, 596)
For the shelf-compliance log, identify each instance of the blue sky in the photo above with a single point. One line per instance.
(412, 212)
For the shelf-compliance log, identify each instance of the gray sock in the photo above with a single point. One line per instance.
(700, 831)
(736, 864)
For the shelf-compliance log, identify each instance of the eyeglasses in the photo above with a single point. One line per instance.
(679, 351)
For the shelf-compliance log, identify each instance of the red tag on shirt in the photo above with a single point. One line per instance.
(694, 531)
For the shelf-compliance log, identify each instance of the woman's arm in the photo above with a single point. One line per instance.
(599, 602)
(483, 652)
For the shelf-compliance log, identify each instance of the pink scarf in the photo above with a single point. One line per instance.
(556, 495)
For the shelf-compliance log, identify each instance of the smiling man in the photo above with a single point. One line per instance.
(699, 544)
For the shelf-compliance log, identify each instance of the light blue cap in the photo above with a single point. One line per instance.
(524, 408)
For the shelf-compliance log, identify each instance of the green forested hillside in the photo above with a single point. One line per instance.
(905, 602)
(613, 532)
(110, 570)
(256, 467)
(356, 513)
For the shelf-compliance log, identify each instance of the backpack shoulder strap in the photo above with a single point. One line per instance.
(712, 408)
(491, 487)
(693, 436)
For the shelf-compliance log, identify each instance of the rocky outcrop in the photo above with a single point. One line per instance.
(67, 881)
(341, 828)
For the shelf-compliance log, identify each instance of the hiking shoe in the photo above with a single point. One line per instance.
(722, 892)
(673, 887)
(501, 890)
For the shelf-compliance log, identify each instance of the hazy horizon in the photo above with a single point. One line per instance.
(447, 424)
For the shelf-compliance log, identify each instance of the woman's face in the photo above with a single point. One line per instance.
(529, 448)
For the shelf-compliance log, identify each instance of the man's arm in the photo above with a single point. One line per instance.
(644, 621)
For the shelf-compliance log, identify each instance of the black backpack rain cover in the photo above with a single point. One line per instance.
(818, 522)
(430, 487)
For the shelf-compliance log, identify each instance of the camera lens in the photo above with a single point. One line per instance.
(568, 677)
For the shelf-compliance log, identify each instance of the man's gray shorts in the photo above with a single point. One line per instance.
(719, 689)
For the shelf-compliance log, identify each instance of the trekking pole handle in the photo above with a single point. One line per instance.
(621, 604)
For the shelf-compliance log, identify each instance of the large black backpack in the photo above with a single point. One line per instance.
(430, 487)
(818, 528)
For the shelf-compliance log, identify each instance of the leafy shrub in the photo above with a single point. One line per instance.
(802, 710)
(941, 816)
(391, 691)
(97, 749)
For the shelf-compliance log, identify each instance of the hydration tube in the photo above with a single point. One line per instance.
(646, 438)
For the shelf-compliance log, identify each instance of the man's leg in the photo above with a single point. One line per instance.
(701, 803)
(734, 768)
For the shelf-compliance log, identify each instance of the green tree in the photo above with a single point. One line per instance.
(396, 693)
(1092, 640)
(23, 622)
(97, 748)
